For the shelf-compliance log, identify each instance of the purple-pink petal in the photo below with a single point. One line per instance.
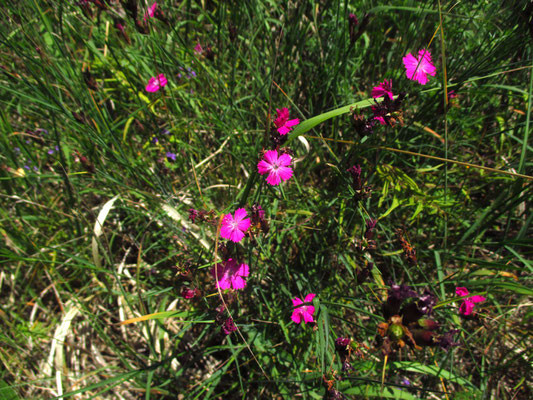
(477, 299)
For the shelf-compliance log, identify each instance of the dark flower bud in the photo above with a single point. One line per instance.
(370, 225)
(423, 337)
(229, 326)
(342, 343)
(428, 324)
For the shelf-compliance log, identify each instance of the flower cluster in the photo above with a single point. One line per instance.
(409, 322)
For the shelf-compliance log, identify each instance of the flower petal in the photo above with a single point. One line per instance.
(296, 317)
(296, 301)
(273, 179)
(284, 173)
(310, 298)
(236, 236)
(307, 317)
(263, 167)
(240, 213)
(271, 156)
(477, 299)
(284, 160)
(461, 291)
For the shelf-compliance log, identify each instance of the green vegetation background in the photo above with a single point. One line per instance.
(66, 280)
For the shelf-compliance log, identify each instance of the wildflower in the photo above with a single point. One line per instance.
(198, 48)
(171, 156)
(303, 313)
(192, 214)
(229, 326)
(155, 140)
(155, 83)
(418, 68)
(277, 167)
(383, 89)
(282, 122)
(352, 23)
(233, 228)
(467, 306)
(231, 275)
(151, 11)
(52, 151)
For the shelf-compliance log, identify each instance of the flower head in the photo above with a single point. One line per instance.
(277, 167)
(155, 83)
(418, 68)
(303, 313)
(231, 275)
(229, 326)
(467, 306)
(151, 11)
(171, 156)
(282, 122)
(233, 227)
(383, 89)
(198, 48)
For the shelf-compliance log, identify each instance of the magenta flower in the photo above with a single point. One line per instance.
(467, 306)
(151, 11)
(303, 313)
(282, 122)
(383, 89)
(198, 48)
(233, 228)
(155, 83)
(231, 275)
(277, 167)
(418, 68)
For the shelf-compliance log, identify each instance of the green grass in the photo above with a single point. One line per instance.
(70, 272)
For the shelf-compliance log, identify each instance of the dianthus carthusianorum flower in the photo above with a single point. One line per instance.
(467, 306)
(418, 68)
(231, 275)
(383, 89)
(303, 313)
(277, 167)
(155, 83)
(233, 227)
(282, 122)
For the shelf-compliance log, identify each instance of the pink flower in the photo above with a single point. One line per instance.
(151, 11)
(155, 83)
(282, 122)
(198, 48)
(418, 68)
(277, 167)
(233, 228)
(303, 313)
(383, 89)
(467, 306)
(231, 275)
